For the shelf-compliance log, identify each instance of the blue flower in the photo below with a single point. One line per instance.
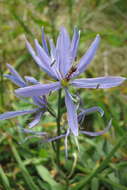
(40, 102)
(59, 63)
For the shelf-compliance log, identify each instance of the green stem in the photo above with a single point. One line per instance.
(58, 127)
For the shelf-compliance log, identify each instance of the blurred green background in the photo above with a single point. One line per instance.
(101, 163)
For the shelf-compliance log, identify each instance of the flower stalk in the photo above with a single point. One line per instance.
(61, 64)
(58, 127)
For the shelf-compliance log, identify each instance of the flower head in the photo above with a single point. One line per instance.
(58, 63)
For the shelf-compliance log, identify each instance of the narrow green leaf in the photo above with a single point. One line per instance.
(40, 22)
(104, 163)
(22, 24)
(28, 179)
(94, 184)
(4, 179)
(45, 175)
(113, 184)
(43, 185)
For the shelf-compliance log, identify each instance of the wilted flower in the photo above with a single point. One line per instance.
(59, 63)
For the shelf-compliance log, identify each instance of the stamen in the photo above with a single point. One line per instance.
(54, 61)
(71, 71)
(98, 85)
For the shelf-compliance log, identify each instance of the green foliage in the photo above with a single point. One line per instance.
(101, 162)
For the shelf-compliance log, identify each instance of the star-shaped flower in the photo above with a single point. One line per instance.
(59, 63)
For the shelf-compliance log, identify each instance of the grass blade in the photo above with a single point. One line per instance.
(22, 24)
(25, 173)
(4, 179)
(45, 175)
(104, 163)
(110, 182)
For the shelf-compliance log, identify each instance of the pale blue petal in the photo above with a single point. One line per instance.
(98, 133)
(74, 43)
(63, 52)
(71, 113)
(44, 43)
(87, 58)
(54, 63)
(15, 73)
(46, 60)
(36, 120)
(38, 60)
(36, 101)
(38, 90)
(29, 131)
(12, 114)
(91, 110)
(40, 101)
(31, 80)
(15, 80)
(100, 82)
(88, 111)
(42, 54)
(94, 109)
(54, 138)
(52, 50)
(25, 100)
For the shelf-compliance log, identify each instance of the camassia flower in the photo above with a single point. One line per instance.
(40, 102)
(59, 63)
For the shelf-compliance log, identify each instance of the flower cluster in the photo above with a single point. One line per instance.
(59, 63)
